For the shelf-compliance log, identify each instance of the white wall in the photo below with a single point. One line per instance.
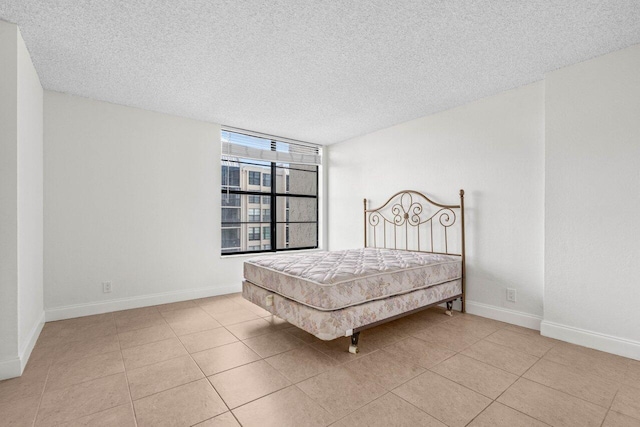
(30, 199)
(21, 248)
(131, 197)
(494, 149)
(8, 199)
(592, 274)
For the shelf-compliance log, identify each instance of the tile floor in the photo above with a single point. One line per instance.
(222, 361)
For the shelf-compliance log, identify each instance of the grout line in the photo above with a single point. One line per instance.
(44, 387)
(126, 376)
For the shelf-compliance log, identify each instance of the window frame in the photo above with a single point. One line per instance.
(273, 195)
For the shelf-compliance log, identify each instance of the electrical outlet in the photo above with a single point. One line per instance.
(106, 287)
(511, 295)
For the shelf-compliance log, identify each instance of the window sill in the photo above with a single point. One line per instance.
(269, 253)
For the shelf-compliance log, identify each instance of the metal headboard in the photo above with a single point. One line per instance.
(414, 211)
(408, 213)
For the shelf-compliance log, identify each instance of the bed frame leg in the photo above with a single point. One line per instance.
(353, 348)
(449, 308)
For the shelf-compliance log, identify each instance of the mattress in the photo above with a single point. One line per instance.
(339, 279)
(328, 325)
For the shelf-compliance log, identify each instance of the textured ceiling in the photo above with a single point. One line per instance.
(320, 71)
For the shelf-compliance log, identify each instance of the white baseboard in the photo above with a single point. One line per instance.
(514, 317)
(27, 348)
(88, 309)
(595, 340)
(10, 368)
(14, 367)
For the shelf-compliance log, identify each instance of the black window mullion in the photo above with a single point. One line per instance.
(274, 207)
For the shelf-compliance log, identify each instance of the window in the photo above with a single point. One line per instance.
(254, 178)
(230, 240)
(281, 174)
(254, 215)
(254, 233)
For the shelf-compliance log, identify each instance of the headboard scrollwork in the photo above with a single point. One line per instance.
(409, 220)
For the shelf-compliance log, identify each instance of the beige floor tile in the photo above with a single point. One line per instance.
(76, 371)
(410, 325)
(225, 357)
(412, 351)
(382, 368)
(147, 354)
(207, 339)
(219, 306)
(627, 401)
(193, 312)
(499, 415)
(447, 338)
(237, 316)
(530, 344)
(443, 399)
(574, 381)
(301, 335)
(592, 361)
(162, 376)
(485, 379)
(502, 357)
(223, 420)
(83, 320)
(615, 419)
(127, 324)
(18, 412)
(145, 336)
(87, 347)
(189, 321)
(207, 300)
(338, 349)
(30, 384)
(276, 323)
(478, 326)
(248, 382)
(633, 373)
(340, 390)
(175, 306)
(83, 331)
(255, 309)
(551, 406)
(388, 410)
(380, 336)
(250, 329)
(135, 312)
(120, 416)
(190, 326)
(180, 406)
(83, 399)
(271, 344)
(288, 407)
(301, 363)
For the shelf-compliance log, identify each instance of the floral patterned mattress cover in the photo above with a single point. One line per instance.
(328, 325)
(338, 279)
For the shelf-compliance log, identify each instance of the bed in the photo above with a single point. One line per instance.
(413, 258)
